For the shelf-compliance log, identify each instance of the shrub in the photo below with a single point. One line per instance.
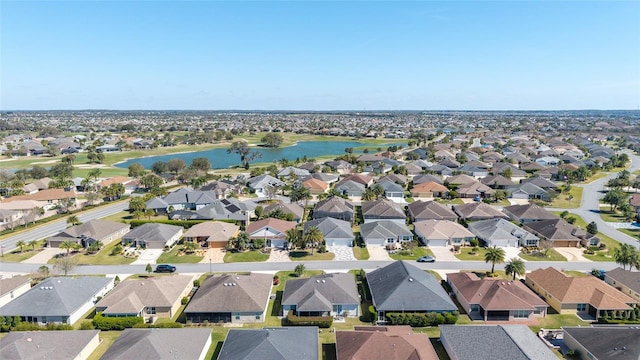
(184, 223)
(196, 283)
(422, 319)
(184, 300)
(115, 323)
(319, 321)
(163, 325)
(474, 243)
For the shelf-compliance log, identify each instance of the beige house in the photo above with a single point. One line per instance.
(12, 287)
(212, 234)
(153, 297)
(442, 233)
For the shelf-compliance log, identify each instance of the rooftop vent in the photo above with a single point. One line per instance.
(323, 281)
(318, 281)
(411, 279)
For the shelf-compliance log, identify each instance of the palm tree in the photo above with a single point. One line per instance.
(73, 220)
(299, 269)
(190, 246)
(515, 266)
(69, 245)
(293, 238)
(625, 255)
(21, 244)
(33, 244)
(313, 236)
(494, 255)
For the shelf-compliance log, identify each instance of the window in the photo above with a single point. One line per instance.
(237, 315)
(258, 316)
(521, 314)
(151, 310)
(391, 240)
(581, 307)
(337, 309)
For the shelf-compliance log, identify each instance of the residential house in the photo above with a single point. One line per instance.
(427, 178)
(527, 213)
(634, 200)
(541, 182)
(50, 345)
(383, 209)
(324, 295)
(586, 296)
(15, 211)
(392, 191)
(129, 184)
(278, 343)
(9, 218)
(603, 342)
(315, 186)
(153, 236)
(324, 177)
(150, 298)
(402, 287)
(350, 188)
(85, 234)
(12, 287)
(430, 210)
(474, 190)
(292, 171)
(492, 299)
(460, 180)
(365, 180)
(441, 170)
(560, 233)
(477, 211)
(513, 342)
(626, 281)
(442, 233)
(383, 342)
(160, 344)
(231, 298)
(335, 232)
(429, 189)
(341, 166)
(497, 182)
(182, 199)
(502, 233)
(294, 209)
(211, 234)
(385, 233)
(396, 178)
(62, 300)
(273, 231)
(548, 161)
(222, 189)
(473, 171)
(223, 209)
(335, 207)
(529, 191)
(47, 199)
(259, 183)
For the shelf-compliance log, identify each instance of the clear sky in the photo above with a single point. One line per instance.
(307, 55)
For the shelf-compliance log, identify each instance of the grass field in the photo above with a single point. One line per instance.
(177, 256)
(412, 254)
(248, 256)
(104, 257)
(304, 255)
(17, 256)
(552, 255)
(568, 201)
(361, 253)
(466, 254)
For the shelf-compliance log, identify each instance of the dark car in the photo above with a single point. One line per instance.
(165, 268)
(426, 259)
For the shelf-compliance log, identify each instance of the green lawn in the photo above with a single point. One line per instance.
(248, 256)
(611, 216)
(176, 255)
(450, 201)
(106, 339)
(412, 254)
(556, 321)
(104, 257)
(552, 255)
(17, 256)
(599, 175)
(466, 254)
(575, 273)
(361, 253)
(568, 201)
(122, 217)
(304, 255)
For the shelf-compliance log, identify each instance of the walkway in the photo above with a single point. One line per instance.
(378, 253)
(512, 252)
(342, 253)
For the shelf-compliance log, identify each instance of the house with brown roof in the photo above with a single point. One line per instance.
(528, 213)
(474, 189)
(12, 287)
(492, 299)
(626, 281)
(497, 181)
(46, 199)
(383, 209)
(273, 231)
(211, 234)
(442, 233)
(477, 211)
(315, 186)
(85, 234)
(335, 207)
(365, 180)
(460, 180)
(428, 189)
(294, 209)
(151, 297)
(383, 342)
(587, 296)
(231, 298)
(560, 233)
(430, 210)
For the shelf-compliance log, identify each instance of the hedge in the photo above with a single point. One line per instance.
(319, 321)
(422, 319)
(115, 323)
(159, 325)
(184, 223)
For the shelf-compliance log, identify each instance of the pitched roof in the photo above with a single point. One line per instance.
(502, 342)
(400, 286)
(56, 296)
(359, 178)
(215, 230)
(461, 179)
(528, 212)
(55, 345)
(334, 204)
(500, 229)
(159, 344)
(441, 229)
(8, 284)
(232, 293)
(495, 294)
(281, 226)
(96, 228)
(153, 232)
(264, 179)
(429, 186)
(607, 342)
(320, 293)
(477, 211)
(383, 342)
(131, 295)
(475, 188)
(288, 208)
(44, 195)
(431, 210)
(557, 229)
(426, 178)
(628, 278)
(496, 180)
(384, 229)
(541, 182)
(588, 290)
(383, 208)
(331, 228)
(315, 184)
(281, 343)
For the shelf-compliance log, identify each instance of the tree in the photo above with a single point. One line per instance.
(201, 163)
(272, 140)
(615, 198)
(38, 172)
(270, 191)
(159, 167)
(73, 220)
(176, 165)
(241, 242)
(21, 244)
(64, 171)
(137, 204)
(299, 269)
(136, 170)
(65, 264)
(92, 197)
(95, 174)
(151, 181)
(294, 238)
(300, 193)
(313, 238)
(259, 210)
(368, 195)
(494, 255)
(625, 255)
(69, 245)
(148, 268)
(33, 244)
(190, 247)
(515, 266)
(242, 148)
(592, 228)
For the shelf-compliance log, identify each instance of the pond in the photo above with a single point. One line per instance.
(221, 160)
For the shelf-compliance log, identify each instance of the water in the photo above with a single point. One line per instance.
(221, 160)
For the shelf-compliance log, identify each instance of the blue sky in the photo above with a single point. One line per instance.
(307, 55)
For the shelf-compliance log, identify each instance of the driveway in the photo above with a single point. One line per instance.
(512, 252)
(443, 253)
(343, 253)
(148, 256)
(571, 253)
(43, 256)
(278, 255)
(378, 253)
(215, 255)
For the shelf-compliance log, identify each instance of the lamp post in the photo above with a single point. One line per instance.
(209, 264)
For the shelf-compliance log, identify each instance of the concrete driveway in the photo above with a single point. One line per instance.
(571, 253)
(443, 253)
(43, 256)
(148, 256)
(378, 253)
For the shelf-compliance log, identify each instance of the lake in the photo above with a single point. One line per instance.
(221, 160)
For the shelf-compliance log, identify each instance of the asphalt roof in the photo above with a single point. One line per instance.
(50, 345)
(283, 343)
(320, 293)
(610, 342)
(159, 344)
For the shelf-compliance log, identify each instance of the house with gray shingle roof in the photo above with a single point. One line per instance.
(160, 344)
(335, 232)
(385, 233)
(402, 287)
(334, 207)
(627, 281)
(182, 199)
(58, 299)
(502, 233)
(231, 298)
(153, 236)
(85, 234)
(324, 295)
(477, 211)
(442, 233)
(280, 343)
(527, 213)
(259, 183)
(223, 209)
(350, 188)
(604, 342)
(294, 209)
(392, 191)
(498, 342)
(430, 210)
(383, 209)
(50, 345)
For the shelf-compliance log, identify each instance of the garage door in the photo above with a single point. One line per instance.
(217, 244)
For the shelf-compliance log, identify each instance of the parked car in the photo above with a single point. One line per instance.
(165, 268)
(426, 258)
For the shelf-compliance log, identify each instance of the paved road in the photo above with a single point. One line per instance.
(54, 227)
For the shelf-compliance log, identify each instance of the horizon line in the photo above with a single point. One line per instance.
(313, 110)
